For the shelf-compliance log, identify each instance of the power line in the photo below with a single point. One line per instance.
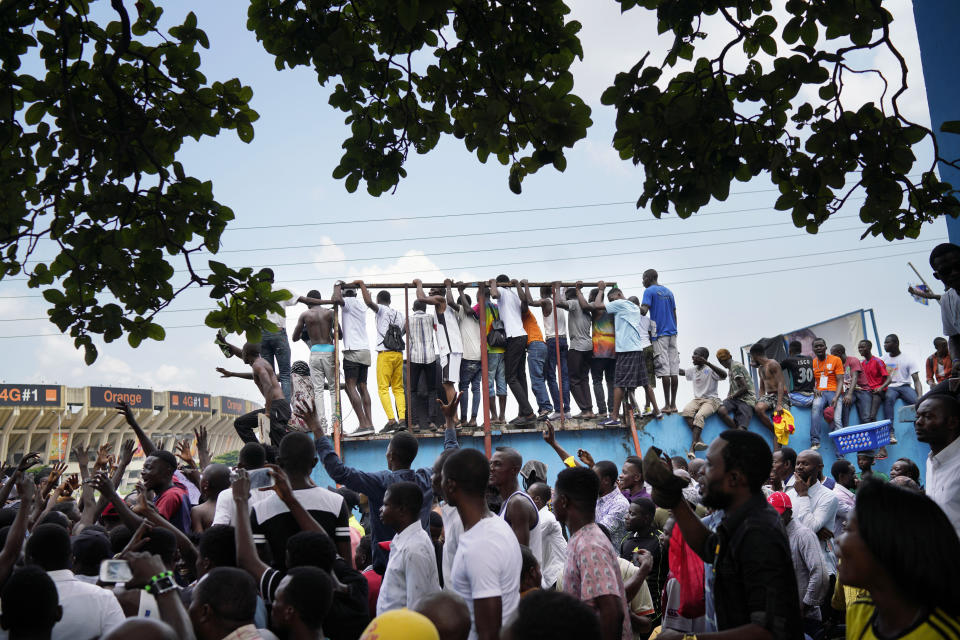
(612, 277)
(165, 311)
(697, 280)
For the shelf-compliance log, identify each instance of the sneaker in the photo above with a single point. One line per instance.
(814, 446)
(392, 425)
(609, 422)
(367, 431)
(893, 437)
(521, 422)
(553, 416)
(585, 415)
(568, 416)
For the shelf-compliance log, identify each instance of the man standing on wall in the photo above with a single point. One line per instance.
(508, 302)
(660, 303)
(389, 347)
(356, 354)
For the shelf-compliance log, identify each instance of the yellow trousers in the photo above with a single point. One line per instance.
(390, 376)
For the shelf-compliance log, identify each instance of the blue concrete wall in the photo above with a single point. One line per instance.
(670, 434)
(937, 22)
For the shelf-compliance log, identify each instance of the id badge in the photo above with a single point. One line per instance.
(823, 381)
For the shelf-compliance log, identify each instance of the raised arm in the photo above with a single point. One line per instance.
(234, 374)
(148, 447)
(247, 558)
(432, 300)
(598, 304)
(586, 306)
(550, 437)
(453, 304)
(144, 566)
(348, 476)
(18, 530)
(236, 352)
(468, 309)
(494, 292)
(365, 294)
(337, 297)
(720, 371)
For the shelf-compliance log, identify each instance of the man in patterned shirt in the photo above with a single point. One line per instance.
(612, 506)
(591, 572)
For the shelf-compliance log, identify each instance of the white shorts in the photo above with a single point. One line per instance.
(450, 368)
(666, 356)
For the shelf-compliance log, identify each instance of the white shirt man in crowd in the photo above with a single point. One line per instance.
(902, 370)
(813, 582)
(551, 536)
(486, 567)
(470, 368)
(508, 301)
(706, 396)
(813, 504)
(845, 477)
(412, 570)
(389, 361)
(938, 425)
(356, 354)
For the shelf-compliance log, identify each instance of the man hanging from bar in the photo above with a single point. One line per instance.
(449, 340)
(356, 354)
(318, 323)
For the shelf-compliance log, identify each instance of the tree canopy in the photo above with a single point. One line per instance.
(95, 113)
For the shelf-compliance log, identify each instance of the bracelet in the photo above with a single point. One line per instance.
(160, 583)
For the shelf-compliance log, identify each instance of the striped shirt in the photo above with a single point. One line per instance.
(938, 625)
(422, 336)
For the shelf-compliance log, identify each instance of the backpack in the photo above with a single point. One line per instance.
(393, 337)
(497, 336)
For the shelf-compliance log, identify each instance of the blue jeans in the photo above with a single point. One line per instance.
(497, 380)
(550, 373)
(906, 393)
(536, 360)
(865, 409)
(275, 345)
(817, 421)
(470, 372)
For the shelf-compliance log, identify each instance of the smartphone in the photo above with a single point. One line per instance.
(115, 571)
(260, 479)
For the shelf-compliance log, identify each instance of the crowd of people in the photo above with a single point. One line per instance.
(744, 543)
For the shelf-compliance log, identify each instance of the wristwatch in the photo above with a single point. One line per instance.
(161, 583)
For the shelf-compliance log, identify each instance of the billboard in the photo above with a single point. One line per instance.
(108, 397)
(232, 406)
(184, 401)
(30, 395)
(848, 330)
(58, 446)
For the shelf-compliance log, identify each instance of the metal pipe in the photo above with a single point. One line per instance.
(437, 285)
(485, 379)
(556, 344)
(407, 392)
(336, 416)
(922, 280)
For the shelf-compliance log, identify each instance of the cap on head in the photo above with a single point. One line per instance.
(780, 501)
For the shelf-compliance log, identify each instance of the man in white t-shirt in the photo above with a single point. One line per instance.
(706, 400)
(504, 291)
(470, 366)
(901, 371)
(449, 341)
(389, 358)
(486, 566)
(356, 353)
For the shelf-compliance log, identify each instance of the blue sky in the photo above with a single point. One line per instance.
(769, 284)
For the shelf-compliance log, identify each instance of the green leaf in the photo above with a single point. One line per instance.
(951, 126)
(245, 131)
(35, 113)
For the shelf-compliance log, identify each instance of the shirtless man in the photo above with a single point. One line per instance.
(215, 478)
(319, 325)
(519, 509)
(773, 388)
(276, 406)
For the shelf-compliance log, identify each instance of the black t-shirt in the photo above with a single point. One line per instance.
(801, 372)
(658, 575)
(753, 569)
(273, 519)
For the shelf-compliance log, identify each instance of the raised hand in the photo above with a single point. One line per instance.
(182, 449)
(103, 456)
(124, 409)
(102, 483)
(550, 436)
(203, 445)
(306, 412)
(585, 457)
(241, 486)
(281, 483)
(26, 489)
(83, 455)
(140, 537)
(449, 409)
(143, 566)
(643, 559)
(126, 452)
(29, 460)
(71, 484)
(223, 372)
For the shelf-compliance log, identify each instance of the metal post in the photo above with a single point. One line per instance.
(485, 378)
(336, 416)
(922, 280)
(407, 391)
(629, 409)
(556, 344)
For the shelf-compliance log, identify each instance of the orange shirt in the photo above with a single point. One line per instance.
(825, 372)
(531, 327)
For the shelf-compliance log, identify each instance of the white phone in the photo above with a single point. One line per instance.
(112, 570)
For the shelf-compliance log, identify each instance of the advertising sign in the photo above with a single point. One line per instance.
(232, 406)
(183, 401)
(108, 397)
(30, 395)
(58, 446)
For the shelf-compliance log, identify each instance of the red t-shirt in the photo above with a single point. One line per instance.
(374, 580)
(873, 374)
(174, 505)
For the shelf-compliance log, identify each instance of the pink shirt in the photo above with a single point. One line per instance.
(592, 570)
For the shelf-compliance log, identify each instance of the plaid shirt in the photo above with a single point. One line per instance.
(422, 337)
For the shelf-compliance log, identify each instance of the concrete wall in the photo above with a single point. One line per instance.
(670, 434)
